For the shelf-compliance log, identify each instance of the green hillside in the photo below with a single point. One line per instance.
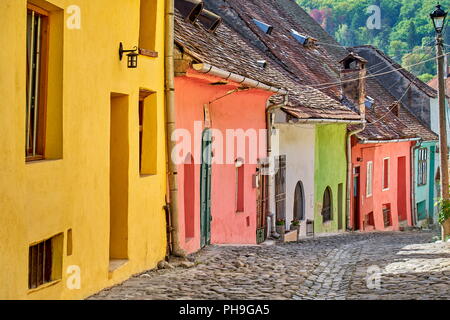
(406, 32)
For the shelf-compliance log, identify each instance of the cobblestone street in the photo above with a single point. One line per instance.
(404, 265)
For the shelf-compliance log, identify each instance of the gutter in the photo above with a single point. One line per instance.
(389, 141)
(302, 121)
(172, 174)
(209, 69)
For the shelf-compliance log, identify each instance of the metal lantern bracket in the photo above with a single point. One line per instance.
(122, 51)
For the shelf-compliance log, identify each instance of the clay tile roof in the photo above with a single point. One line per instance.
(408, 75)
(390, 120)
(320, 65)
(228, 50)
(310, 66)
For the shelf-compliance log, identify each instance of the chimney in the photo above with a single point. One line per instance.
(353, 80)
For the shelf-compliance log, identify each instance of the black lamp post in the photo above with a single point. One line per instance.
(438, 17)
(132, 56)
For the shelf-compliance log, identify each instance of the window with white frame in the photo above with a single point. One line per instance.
(386, 173)
(369, 179)
(422, 167)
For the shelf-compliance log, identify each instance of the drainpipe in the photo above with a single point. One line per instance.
(271, 216)
(415, 218)
(172, 198)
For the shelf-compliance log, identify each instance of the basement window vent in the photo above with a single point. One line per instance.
(264, 27)
(45, 261)
(369, 102)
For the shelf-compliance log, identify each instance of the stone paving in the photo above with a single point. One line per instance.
(402, 265)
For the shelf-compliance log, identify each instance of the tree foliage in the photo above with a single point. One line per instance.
(405, 27)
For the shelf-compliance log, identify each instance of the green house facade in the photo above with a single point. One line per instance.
(426, 164)
(330, 178)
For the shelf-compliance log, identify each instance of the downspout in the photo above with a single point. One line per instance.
(172, 198)
(414, 217)
(271, 216)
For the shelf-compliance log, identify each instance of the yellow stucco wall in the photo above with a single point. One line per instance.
(45, 198)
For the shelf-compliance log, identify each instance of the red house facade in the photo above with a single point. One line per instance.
(382, 160)
(381, 198)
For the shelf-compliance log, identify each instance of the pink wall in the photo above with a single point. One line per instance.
(245, 110)
(398, 195)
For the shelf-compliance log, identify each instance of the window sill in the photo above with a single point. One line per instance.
(148, 53)
(34, 158)
(41, 160)
(44, 286)
(146, 175)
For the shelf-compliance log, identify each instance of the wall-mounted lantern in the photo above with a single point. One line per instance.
(132, 56)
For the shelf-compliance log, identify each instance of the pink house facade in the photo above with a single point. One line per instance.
(233, 196)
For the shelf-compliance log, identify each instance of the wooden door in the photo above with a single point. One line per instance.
(205, 189)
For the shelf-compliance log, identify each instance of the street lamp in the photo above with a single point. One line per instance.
(438, 17)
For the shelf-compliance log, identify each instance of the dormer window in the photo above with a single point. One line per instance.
(369, 102)
(264, 27)
(189, 9)
(209, 20)
(304, 40)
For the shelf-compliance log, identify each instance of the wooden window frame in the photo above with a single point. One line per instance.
(422, 167)
(45, 262)
(39, 151)
(240, 188)
(386, 188)
(369, 178)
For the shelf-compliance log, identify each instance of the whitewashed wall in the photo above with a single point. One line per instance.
(297, 142)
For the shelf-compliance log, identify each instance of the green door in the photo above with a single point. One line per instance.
(431, 186)
(205, 189)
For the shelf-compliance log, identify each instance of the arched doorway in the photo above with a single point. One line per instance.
(327, 205)
(299, 202)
